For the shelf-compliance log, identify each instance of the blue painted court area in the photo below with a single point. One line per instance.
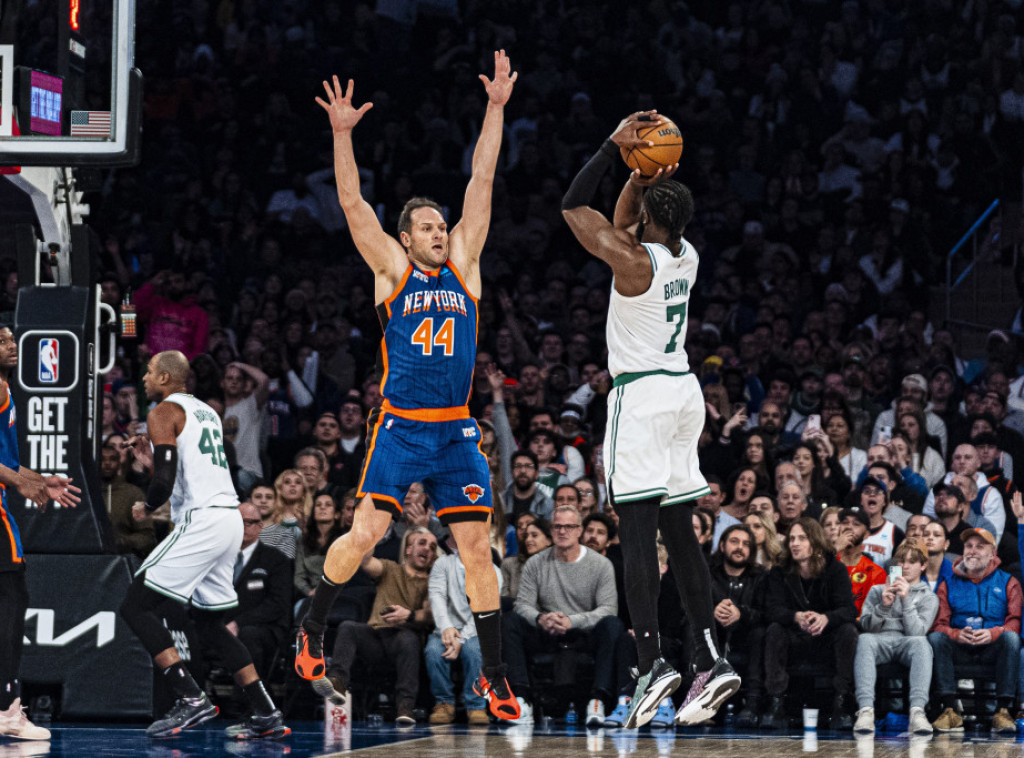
(308, 740)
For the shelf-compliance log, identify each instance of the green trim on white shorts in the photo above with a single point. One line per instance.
(623, 379)
(687, 496)
(174, 537)
(630, 497)
(218, 607)
(609, 455)
(164, 591)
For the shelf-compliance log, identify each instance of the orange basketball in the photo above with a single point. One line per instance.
(667, 148)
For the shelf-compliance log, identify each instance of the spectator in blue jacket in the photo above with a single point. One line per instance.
(978, 623)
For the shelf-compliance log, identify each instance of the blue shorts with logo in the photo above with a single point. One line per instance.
(444, 455)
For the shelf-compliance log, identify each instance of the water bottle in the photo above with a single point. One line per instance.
(571, 717)
(730, 714)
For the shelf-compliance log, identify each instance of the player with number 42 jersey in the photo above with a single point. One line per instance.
(203, 478)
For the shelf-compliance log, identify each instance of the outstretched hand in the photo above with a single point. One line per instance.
(1017, 503)
(625, 134)
(59, 488)
(499, 89)
(339, 106)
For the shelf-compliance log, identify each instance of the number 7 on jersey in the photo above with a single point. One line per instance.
(671, 313)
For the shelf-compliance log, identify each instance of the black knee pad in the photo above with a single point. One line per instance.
(139, 611)
(233, 654)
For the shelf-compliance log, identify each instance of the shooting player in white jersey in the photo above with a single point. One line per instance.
(195, 563)
(655, 416)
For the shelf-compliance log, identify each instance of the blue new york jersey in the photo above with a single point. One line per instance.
(429, 346)
(11, 554)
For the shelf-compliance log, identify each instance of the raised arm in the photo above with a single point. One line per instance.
(611, 243)
(471, 233)
(382, 252)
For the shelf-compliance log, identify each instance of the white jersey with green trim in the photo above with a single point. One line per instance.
(202, 479)
(647, 332)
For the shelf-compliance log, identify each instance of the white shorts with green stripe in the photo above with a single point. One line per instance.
(650, 442)
(196, 561)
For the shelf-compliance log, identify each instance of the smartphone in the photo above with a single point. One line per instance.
(737, 407)
(895, 572)
(814, 423)
(885, 435)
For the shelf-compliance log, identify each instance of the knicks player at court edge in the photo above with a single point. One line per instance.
(13, 589)
(655, 416)
(426, 285)
(194, 564)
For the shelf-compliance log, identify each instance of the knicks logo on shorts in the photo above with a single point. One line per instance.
(473, 491)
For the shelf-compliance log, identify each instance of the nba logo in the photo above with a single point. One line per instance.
(48, 363)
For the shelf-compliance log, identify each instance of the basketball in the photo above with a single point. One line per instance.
(667, 148)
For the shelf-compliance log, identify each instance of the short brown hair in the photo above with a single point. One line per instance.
(909, 549)
(415, 203)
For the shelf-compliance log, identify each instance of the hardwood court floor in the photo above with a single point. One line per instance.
(308, 741)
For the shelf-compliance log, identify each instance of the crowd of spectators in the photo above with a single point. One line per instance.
(835, 150)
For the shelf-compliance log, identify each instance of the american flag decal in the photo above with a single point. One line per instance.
(90, 124)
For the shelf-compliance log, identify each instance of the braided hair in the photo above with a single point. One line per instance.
(670, 205)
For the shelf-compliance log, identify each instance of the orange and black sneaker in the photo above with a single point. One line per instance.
(500, 701)
(309, 655)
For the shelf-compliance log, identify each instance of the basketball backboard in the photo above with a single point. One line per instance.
(69, 93)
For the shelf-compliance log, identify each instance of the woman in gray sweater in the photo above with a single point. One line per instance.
(896, 618)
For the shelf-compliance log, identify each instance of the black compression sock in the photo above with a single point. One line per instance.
(693, 578)
(488, 632)
(323, 598)
(181, 681)
(258, 698)
(638, 535)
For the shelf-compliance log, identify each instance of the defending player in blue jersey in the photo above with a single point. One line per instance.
(426, 287)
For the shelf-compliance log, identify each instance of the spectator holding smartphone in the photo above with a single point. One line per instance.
(895, 619)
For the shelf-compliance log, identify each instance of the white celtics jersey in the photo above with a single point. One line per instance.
(647, 332)
(203, 479)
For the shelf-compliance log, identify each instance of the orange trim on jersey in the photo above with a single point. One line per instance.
(387, 306)
(369, 453)
(10, 535)
(7, 403)
(426, 414)
(398, 288)
(462, 281)
(384, 363)
(464, 508)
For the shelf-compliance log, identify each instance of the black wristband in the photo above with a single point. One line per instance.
(585, 185)
(165, 468)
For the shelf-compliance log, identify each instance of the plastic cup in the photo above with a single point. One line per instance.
(811, 719)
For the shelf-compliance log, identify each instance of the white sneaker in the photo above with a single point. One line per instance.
(919, 723)
(14, 723)
(525, 713)
(865, 723)
(595, 714)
